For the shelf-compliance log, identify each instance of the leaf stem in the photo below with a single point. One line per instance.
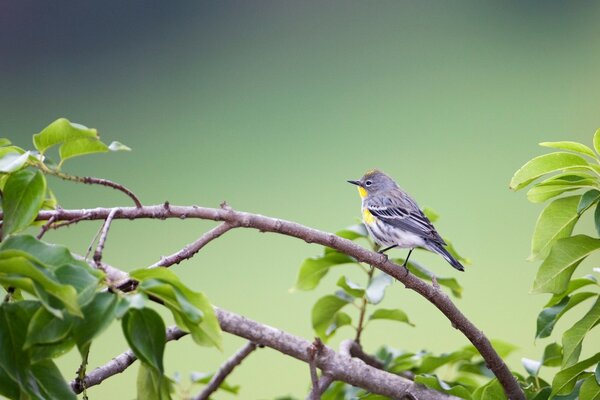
(363, 308)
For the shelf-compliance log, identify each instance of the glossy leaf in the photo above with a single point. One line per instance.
(597, 141)
(153, 385)
(542, 192)
(145, 333)
(4, 142)
(564, 381)
(376, 289)
(23, 196)
(391, 314)
(351, 288)
(548, 317)
(340, 319)
(588, 199)
(323, 313)
(13, 161)
(492, 390)
(590, 389)
(59, 132)
(545, 164)
(572, 146)
(431, 362)
(8, 387)
(436, 383)
(189, 305)
(555, 222)
(430, 214)
(574, 284)
(573, 337)
(353, 232)
(99, 313)
(45, 328)
(51, 383)
(81, 146)
(313, 270)
(597, 218)
(552, 355)
(555, 272)
(16, 262)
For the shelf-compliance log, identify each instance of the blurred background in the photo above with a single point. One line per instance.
(272, 106)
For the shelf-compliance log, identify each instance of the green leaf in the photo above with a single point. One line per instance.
(492, 390)
(597, 219)
(353, 232)
(99, 313)
(555, 222)
(153, 385)
(339, 319)
(430, 214)
(204, 378)
(59, 132)
(353, 289)
(431, 362)
(574, 284)
(45, 328)
(145, 332)
(543, 165)
(544, 191)
(597, 373)
(572, 146)
(4, 142)
(79, 147)
(13, 161)
(552, 355)
(548, 317)
(192, 310)
(597, 141)
(323, 313)
(8, 387)
(313, 270)
(376, 289)
(564, 381)
(590, 389)
(16, 262)
(118, 146)
(23, 197)
(555, 272)
(436, 383)
(391, 314)
(50, 381)
(588, 199)
(573, 337)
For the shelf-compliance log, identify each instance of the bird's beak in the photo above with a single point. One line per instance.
(357, 183)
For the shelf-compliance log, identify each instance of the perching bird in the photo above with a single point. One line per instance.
(393, 218)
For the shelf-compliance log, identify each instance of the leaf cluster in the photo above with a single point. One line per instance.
(570, 179)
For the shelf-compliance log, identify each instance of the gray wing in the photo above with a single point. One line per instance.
(403, 213)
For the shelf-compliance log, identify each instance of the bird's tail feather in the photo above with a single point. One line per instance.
(439, 248)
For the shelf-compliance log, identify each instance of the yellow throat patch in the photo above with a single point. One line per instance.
(362, 192)
(368, 218)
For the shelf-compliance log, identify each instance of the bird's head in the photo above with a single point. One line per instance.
(373, 182)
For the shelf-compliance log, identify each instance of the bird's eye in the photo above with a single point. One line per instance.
(368, 183)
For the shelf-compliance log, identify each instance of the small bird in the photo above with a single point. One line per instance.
(393, 218)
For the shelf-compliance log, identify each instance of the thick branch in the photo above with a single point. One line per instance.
(225, 370)
(266, 224)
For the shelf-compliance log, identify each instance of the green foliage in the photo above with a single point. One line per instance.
(204, 378)
(562, 255)
(56, 301)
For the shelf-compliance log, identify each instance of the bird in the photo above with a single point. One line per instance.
(393, 218)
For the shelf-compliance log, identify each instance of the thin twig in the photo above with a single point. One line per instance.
(313, 352)
(225, 370)
(116, 365)
(45, 228)
(363, 308)
(103, 236)
(192, 248)
(436, 296)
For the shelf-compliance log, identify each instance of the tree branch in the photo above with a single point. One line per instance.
(309, 235)
(190, 250)
(225, 370)
(103, 236)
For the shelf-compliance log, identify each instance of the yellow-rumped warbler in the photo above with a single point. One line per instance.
(393, 218)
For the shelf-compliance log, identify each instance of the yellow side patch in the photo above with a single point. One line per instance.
(368, 218)
(362, 192)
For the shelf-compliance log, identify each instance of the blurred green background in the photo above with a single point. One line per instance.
(272, 106)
